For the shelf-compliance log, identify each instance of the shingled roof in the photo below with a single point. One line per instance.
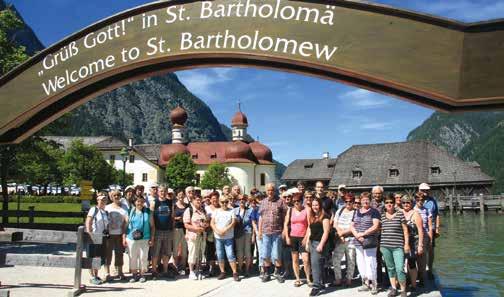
(310, 169)
(414, 162)
(149, 151)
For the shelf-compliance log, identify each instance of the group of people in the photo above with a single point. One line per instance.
(282, 227)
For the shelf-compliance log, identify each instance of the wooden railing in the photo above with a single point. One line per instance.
(31, 214)
(480, 203)
(80, 238)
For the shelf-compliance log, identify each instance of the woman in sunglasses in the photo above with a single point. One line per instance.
(423, 242)
(295, 226)
(243, 234)
(365, 226)
(222, 223)
(394, 244)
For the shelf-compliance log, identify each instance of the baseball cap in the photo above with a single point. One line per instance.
(153, 185)
(170, 191)
(424, 186)
(341, 187)
(282, 187)
(129, 188)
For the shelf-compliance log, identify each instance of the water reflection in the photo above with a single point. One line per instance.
(470, 255)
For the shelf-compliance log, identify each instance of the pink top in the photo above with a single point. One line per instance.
(299, 222)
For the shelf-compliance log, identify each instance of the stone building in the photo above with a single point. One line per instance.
(400, 166)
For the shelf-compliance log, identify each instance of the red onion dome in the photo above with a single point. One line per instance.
(178, 116)
(239, 119)
(169, 150)
(239, 151)
(261, 152)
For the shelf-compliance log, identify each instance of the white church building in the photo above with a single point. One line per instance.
(249, 164)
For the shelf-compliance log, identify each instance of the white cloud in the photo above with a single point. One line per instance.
(364, 99)
(376, 126)
(205, 83)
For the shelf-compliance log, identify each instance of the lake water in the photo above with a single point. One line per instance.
(470, 255)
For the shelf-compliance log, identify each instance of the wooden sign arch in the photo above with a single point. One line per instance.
(444, 64)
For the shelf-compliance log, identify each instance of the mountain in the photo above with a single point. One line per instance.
(23, 36)
(472, 136)
(141, 110)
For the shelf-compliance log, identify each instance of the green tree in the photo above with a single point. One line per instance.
(10, 56)
(180, 171)
(128, 178)
(85, 162)
(215, 177)
(38, 162)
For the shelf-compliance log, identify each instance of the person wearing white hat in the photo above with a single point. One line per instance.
(432, 207)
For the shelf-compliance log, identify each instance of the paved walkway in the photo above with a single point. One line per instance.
(45, 281)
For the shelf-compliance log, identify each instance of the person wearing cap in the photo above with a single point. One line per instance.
(128, 200)
(162, 210)
(344, 241)
(235, 195)
(340, 200)
(189, 195)
(195, 222)
(432, 206)
(295, 233)
(286, 253)
(272, 212)
(138, 239)
(222, 223)
(97, 222)
(226, 190)
(153, 194)
(281, 190)
(243, 235)
(118, 216)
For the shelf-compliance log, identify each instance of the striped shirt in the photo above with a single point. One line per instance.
(392, 235)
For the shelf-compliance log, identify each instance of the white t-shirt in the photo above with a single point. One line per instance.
(117, 216)
(100, 221)
(222, 219)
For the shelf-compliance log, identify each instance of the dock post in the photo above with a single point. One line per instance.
(450, 201)
(459, 204)
(31, 214)
(482, 203)
(77, 289)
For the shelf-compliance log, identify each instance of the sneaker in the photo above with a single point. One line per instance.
(392, 292)
(316, 292)
(192, 275)
(182, 272)
(279, 278)
(133, 278)
(374, 290)
(107, 279)
(363, 288)
(221, 276)
(236, 277)
(95, 281)
(142, 279)
(265, 278)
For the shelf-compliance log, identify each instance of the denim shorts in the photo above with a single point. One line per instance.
(224, 247)
(270, 246)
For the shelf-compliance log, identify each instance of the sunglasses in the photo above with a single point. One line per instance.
(389, 202)
(225, 201)
(348, 201)
(357, 203)
(406, 202)
(296, 201)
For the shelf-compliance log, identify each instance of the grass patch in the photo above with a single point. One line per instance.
(58, 207)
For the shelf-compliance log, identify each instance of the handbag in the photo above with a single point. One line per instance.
(138, 234)
(370, 241)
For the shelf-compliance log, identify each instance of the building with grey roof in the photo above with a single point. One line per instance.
(400, 166)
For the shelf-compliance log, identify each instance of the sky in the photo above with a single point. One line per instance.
(297, 116)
